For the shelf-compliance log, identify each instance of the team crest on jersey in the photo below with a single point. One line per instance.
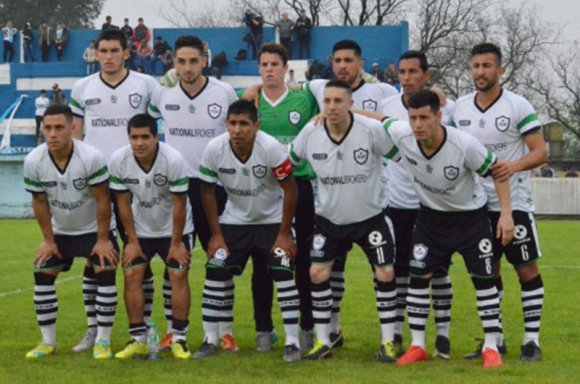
(159, 179)
(135, 100)
(214, 110)
(294, 117)
(361, 156)
(259, 171)
(502, 123)
(451, 172)
(370, 105)
(420, 251)
(318, 242)
(80, 183)
(114, 99)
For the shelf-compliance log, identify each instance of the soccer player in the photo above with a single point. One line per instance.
(257, 175)
(346, 154)
(444, 163)
(102, 105)
(194, 112)
(403, 206)
(70, 198)
(507, 125)
(150, 183)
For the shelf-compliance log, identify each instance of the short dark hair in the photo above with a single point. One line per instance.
(416, 55)
(140, 19)
(243, 107)
(423, 99)
(59, 109)
(348, 44)
(143, 120)
(43, 91)
(276, 49)
(189, 41)
(113, 34)
(339, 84)
(484, 48)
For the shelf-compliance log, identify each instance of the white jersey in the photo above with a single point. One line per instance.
(501, 129)
(191, 122)
(366, 96)
(401, 193)
(106, 110)
(348, 173)
(72, 205)
(152, 205)
(254, 194)
(447, 180)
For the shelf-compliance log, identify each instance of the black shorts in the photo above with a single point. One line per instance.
(160, 246)
(250, 240)
(438, 235)
(331, 242)
(76, 246)
(524, 247)
(403, 224)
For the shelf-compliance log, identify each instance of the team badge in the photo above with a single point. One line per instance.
(135, 100)
(420, 251)
(318, 242)
(451, 172)
(214, 110)
(114, 99)
(370, 105)
(294, 117)
(485, 246)
(80, 183)
(259, 171)
(520, 232)
(502, 123)
(191, 108)
(159, 179)
(361, 156)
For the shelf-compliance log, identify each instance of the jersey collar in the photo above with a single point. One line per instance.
(489, 106)
(438, 149)
(116, 85)
(345, 134)
(280, 99)
(204, 86)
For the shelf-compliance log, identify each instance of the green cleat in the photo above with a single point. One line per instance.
(320, 351)
(387, 353)
(42, 350)
(102, 349)
(180, 351)
(133, 350)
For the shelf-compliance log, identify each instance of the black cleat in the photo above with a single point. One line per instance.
(319, 352)
(442, 348)
(531, 352)
(336, 339)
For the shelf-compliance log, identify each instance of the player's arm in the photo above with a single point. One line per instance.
(103, 248)
(536, 156)
(505, 225)
(209, 201)
(284, 239)
(78, 127)
(370, 114)
(177, 250)
(132, 249)
(48, 247)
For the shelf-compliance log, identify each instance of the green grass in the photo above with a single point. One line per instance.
(354, 363)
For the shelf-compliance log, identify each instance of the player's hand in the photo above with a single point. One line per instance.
(502, 170)
(215, 243)
(286, 242)
(253, 94)
(105, 251)
(505, 228)
(318, 119)
(45, 250)
(132, 252)
(179, 253)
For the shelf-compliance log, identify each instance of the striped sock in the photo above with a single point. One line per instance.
(488, 310)
(289, 302)
(46, 306)
(442, 297)
(90, 295)
(106, 304)
(418, 309)
(322, 304)
(387, 308)
(532, 304)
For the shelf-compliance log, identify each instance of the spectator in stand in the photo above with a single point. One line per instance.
(141, 33)
(291, 79)
(27, 43)
(108, 25)
(159, 53)
(58, 97)
(255, 23)
(45, 40)
(571, 173)
(303, 27)
(327, 73)
(89, 57)
(547, 170)
(144, 55)
(127, 30)
(8, 33)
(60, 39)
(376, 72)
(391, 76)
(285, 26)
(40, 105)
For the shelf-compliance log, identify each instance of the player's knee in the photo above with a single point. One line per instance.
(527, 272)
(178, 278)
(385, 275)
(133, 276)
(44, 278)
(319, 273)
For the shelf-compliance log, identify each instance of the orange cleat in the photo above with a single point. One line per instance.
(228, 343)
(491, 358)
(413, 355)
(165, 344)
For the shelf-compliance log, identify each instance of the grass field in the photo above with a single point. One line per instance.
(354, 363)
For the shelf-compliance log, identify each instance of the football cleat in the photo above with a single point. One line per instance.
(291, 353)
(165, 344)
(320, 351)
(88, 340)
(413, 355)
(336, 339)
(205, 350)
(179, 350)
(491, 358)
(387, 353)
(442, 348)
(42, 350)
(307, 339)
(531, 352)
(264, 341)
(228, 343)
(133, 350)
(102, 349)
(398, 342)
(477, 353)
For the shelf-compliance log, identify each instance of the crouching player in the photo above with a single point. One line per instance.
(70, 198)
(257, 175)
(150, 184)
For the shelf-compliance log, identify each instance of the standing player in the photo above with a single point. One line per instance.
(346, 154)
(102, 104)
(150, 184)
(507, 125)
(68, 181)
(194, 112)
(255, 171)
(444, 163)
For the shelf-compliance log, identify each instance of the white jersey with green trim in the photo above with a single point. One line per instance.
(72, 205)
(366, 96)
(348, 172)
(152, 203)
(254, 193)
(191, 122)
(446, 180)
(501, 129)
(106, 109)
(401, 193)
